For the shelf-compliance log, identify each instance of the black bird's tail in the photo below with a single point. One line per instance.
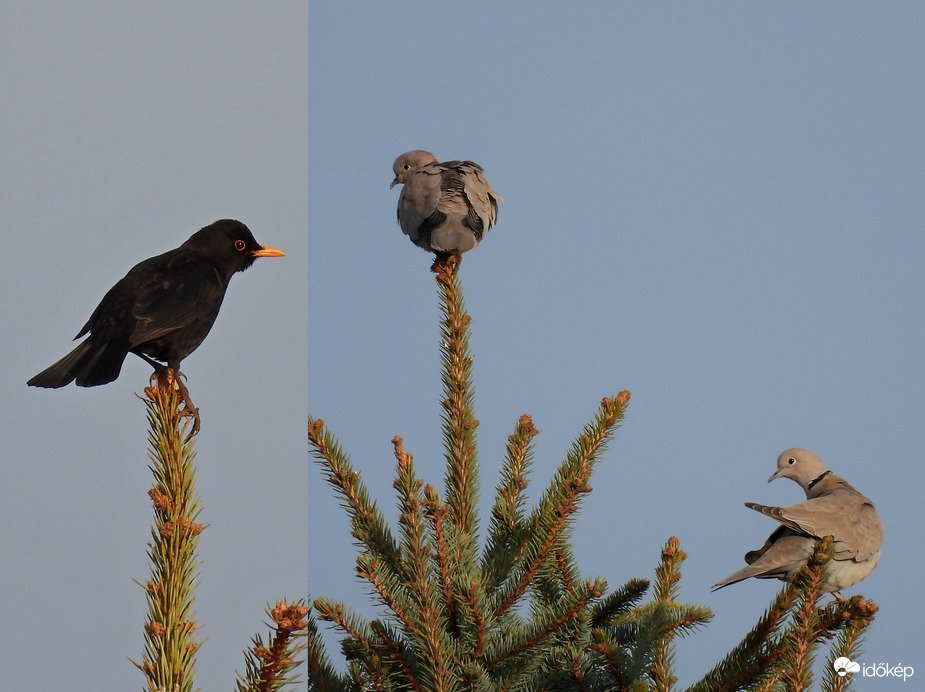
(90, 364)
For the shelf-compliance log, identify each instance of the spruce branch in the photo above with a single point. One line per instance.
(667, 575)
(562, 498)
(850, 619)
(321, 673)
(619, 602)
(437, 514)
(799, 643)
(416, 552)
(564, 568)
(396, 650)
(428, 618)
(679, 618)
(547, 624)
(170, 629)
(508, 526)
(367, 654)
(756, 657)
(270, 667)
(346, 620)
(839, 616)
(458, 417)
(392, 594)
(369, 527)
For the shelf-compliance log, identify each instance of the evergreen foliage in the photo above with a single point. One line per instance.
(270, 667)
(171, 642)
(170, 628)
(518, 615)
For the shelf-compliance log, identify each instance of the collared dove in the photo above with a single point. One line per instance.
(443, 207)
(832, 508)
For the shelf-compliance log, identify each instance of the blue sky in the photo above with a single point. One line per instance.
(716, 206)
(125, 128)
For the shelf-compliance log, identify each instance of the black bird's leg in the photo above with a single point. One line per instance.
(167, 376)
(188, 408)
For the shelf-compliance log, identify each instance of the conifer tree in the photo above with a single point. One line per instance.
(171, 639)
(517, 613)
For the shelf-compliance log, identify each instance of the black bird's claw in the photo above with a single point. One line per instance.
(189, 409)
(191, 412)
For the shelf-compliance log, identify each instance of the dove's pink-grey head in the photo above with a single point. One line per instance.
(408, 163)
(799, 465)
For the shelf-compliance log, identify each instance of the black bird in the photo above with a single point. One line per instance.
(160, 311)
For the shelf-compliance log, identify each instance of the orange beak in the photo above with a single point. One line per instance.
(267, 251)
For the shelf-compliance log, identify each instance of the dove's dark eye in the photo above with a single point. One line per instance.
(239, 245)
(791, 460)
(407, 166)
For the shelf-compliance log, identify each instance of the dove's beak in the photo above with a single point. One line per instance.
(394, 182)
(774, 476)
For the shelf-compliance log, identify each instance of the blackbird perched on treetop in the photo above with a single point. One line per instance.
(160, 311)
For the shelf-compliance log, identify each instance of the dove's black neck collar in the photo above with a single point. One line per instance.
(818, 478)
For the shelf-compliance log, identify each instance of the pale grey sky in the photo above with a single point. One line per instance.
(717, 206)
(125, 127)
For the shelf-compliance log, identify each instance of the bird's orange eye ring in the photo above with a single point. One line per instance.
(239, 245)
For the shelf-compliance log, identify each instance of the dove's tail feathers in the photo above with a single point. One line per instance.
(736, 577)
(758, 572)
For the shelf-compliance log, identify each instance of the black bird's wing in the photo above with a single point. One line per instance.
(185, 291)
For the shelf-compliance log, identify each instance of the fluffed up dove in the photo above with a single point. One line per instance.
(443, 207)
(832, 508)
